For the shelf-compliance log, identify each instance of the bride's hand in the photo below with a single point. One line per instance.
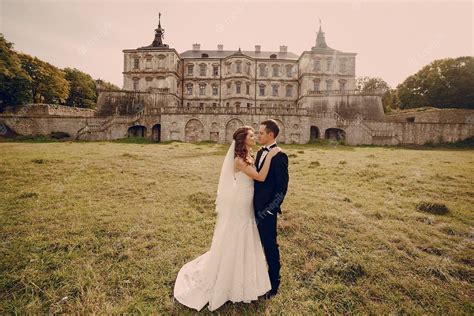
(274, 151)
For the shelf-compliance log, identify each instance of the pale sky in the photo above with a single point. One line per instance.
(392, 39)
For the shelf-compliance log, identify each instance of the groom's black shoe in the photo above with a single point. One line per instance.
(269, 294)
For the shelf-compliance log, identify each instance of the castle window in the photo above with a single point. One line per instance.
(329, 63)
(227, 104)
(289, 90)
(276, 70)
(188, 105)
(273, 56)
(190, 70)
(189, 89)
(201, 106)
(342, 85)
(204, 55)
(262, 70)
(215, 70)
(228, 88)
(237, 87)
(289, 70)
(342, 65)
(148, 63)
(275, 90)
(329, 84)
(214, 105)
(135, 83)
(317, 64)
(249, 105)
(248, 68)
(262, 90)
(202, 89)
(136, 63)
(238, 67)
(247, 88)
(215, 89)
(202, 70)
(316, 83)
(148, 81)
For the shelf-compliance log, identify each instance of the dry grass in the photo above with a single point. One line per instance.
(104, 227)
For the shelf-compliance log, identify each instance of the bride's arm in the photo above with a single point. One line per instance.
(251, 172)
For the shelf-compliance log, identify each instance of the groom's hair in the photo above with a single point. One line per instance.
(271, 126)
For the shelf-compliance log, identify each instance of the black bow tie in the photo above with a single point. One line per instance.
(268, 148)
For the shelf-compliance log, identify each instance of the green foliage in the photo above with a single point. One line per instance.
(48, 84)
(26, 79)
(444, 83)
(14, 81)
(367, 84)
(82, 92)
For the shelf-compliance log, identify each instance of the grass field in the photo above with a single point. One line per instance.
(105, 226)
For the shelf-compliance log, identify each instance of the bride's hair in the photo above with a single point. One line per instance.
(240, 135)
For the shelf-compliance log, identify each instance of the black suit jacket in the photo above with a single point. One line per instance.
(269, 195)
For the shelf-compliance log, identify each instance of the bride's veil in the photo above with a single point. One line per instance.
(225, 188)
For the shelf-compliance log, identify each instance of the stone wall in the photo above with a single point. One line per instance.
(349, 106)
(432, 115)
(35, 126)
(39, 109)
(420, 133)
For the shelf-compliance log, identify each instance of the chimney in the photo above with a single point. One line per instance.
(196, 47)
(283, 48)
(220, 47)
(257, 48)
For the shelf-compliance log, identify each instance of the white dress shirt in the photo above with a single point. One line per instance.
(264, 153)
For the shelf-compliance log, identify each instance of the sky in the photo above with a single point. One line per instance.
(392, 39)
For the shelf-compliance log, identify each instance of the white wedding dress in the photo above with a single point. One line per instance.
(235, 268)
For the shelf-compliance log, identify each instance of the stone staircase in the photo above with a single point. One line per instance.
(99, 125)
(359, 122)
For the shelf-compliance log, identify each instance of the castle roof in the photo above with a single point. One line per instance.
(227, 53)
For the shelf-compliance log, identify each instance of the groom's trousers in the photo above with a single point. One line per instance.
(267, 229)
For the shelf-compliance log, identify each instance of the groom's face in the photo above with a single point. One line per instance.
(263, 137)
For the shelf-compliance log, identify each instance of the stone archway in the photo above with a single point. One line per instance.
(313, 133)
(193, 131)
(136, 131)
(335, 134)
(156, 133)
(230, 128)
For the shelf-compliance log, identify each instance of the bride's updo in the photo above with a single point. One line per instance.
(240, 135)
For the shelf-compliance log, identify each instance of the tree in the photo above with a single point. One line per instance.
(369, 85)
(377, 85)
(48, 84)
(444, 83)
(14, 81)
(83, 91)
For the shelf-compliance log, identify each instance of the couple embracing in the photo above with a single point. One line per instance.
(243, 262)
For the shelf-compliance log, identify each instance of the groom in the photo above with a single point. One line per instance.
(268, 196)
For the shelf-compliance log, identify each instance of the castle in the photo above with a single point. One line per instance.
(204, 95)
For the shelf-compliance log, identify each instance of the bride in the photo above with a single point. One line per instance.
(234, 268)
